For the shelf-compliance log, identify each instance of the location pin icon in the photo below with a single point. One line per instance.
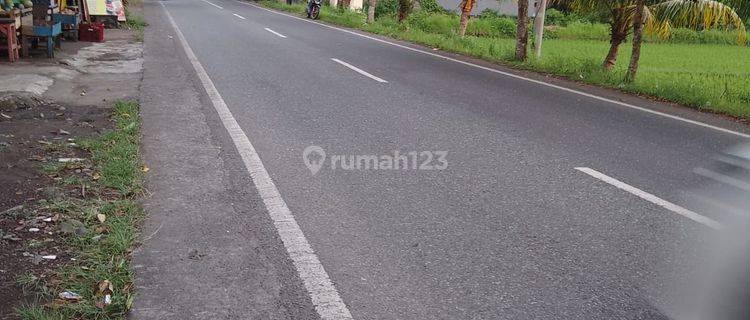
(314, 157)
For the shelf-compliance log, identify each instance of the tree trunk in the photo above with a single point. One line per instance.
(618, 35)
(466, 6)
(371, 11)
(614, 47)
(404, 8)
(522, 32)
(637, 40)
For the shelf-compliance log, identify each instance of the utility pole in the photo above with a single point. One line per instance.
(541, 10)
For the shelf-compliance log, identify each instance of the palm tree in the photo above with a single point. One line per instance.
(742, 7)
(635, 56)
(522, 32)
(659, 16)
(371, 10)
(466, 7)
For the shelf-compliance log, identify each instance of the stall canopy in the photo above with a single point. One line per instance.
(106, 8)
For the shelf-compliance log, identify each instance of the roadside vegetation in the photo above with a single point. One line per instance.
(93, 213)
(134, 21)
(700, 62)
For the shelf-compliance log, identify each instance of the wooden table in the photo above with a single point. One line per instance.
(30, 36)
(8, 29)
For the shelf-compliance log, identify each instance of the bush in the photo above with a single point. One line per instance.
(689, 36)
(584, 31)
(682, 35)
(555, 17)
(447, 24)
(430, 6)
(492, 27)
(433, 23)
(385, 8)
(489, 13)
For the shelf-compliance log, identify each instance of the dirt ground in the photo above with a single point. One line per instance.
(46, 104)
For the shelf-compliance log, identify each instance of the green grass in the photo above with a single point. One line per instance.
(102, 252)
(707, 76)
(582, 31)
(682, 73)
(598, 31)
(39, 313)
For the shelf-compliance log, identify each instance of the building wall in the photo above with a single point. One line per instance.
(507, 7)
(353, 4)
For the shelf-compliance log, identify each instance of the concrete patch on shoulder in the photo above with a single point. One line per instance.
(117, 56)
(32, 83)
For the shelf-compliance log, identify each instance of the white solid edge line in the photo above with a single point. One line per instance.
(325, 298)
(360, 71)
(652, 198)
(593, 96)
(274, 32)
(238, 16)
(213, 4)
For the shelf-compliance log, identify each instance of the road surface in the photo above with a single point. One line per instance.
(558, 201)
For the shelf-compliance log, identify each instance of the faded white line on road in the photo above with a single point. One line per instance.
(213, 4)
(733, 160)
(360, 71)
(718, 205)
(323, 294)
(592, 96)
(238, 16)
(723, 178)
(274, 32)
(652, 198)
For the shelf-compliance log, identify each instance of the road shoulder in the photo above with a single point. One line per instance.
(209, 249)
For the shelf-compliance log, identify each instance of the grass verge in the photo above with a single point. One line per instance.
(710, 77)
(96, 217)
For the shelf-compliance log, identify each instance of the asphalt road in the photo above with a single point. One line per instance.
(509, 230)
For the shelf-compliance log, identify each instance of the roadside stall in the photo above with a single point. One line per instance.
(29, 24)
(70, 18)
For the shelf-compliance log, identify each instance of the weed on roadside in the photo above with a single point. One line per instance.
(98, 227)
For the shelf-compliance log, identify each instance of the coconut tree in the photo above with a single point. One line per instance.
(635, 56)
(371, 10)
(742, 7)
(522, 31)
(466, 7)
(658, 16)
